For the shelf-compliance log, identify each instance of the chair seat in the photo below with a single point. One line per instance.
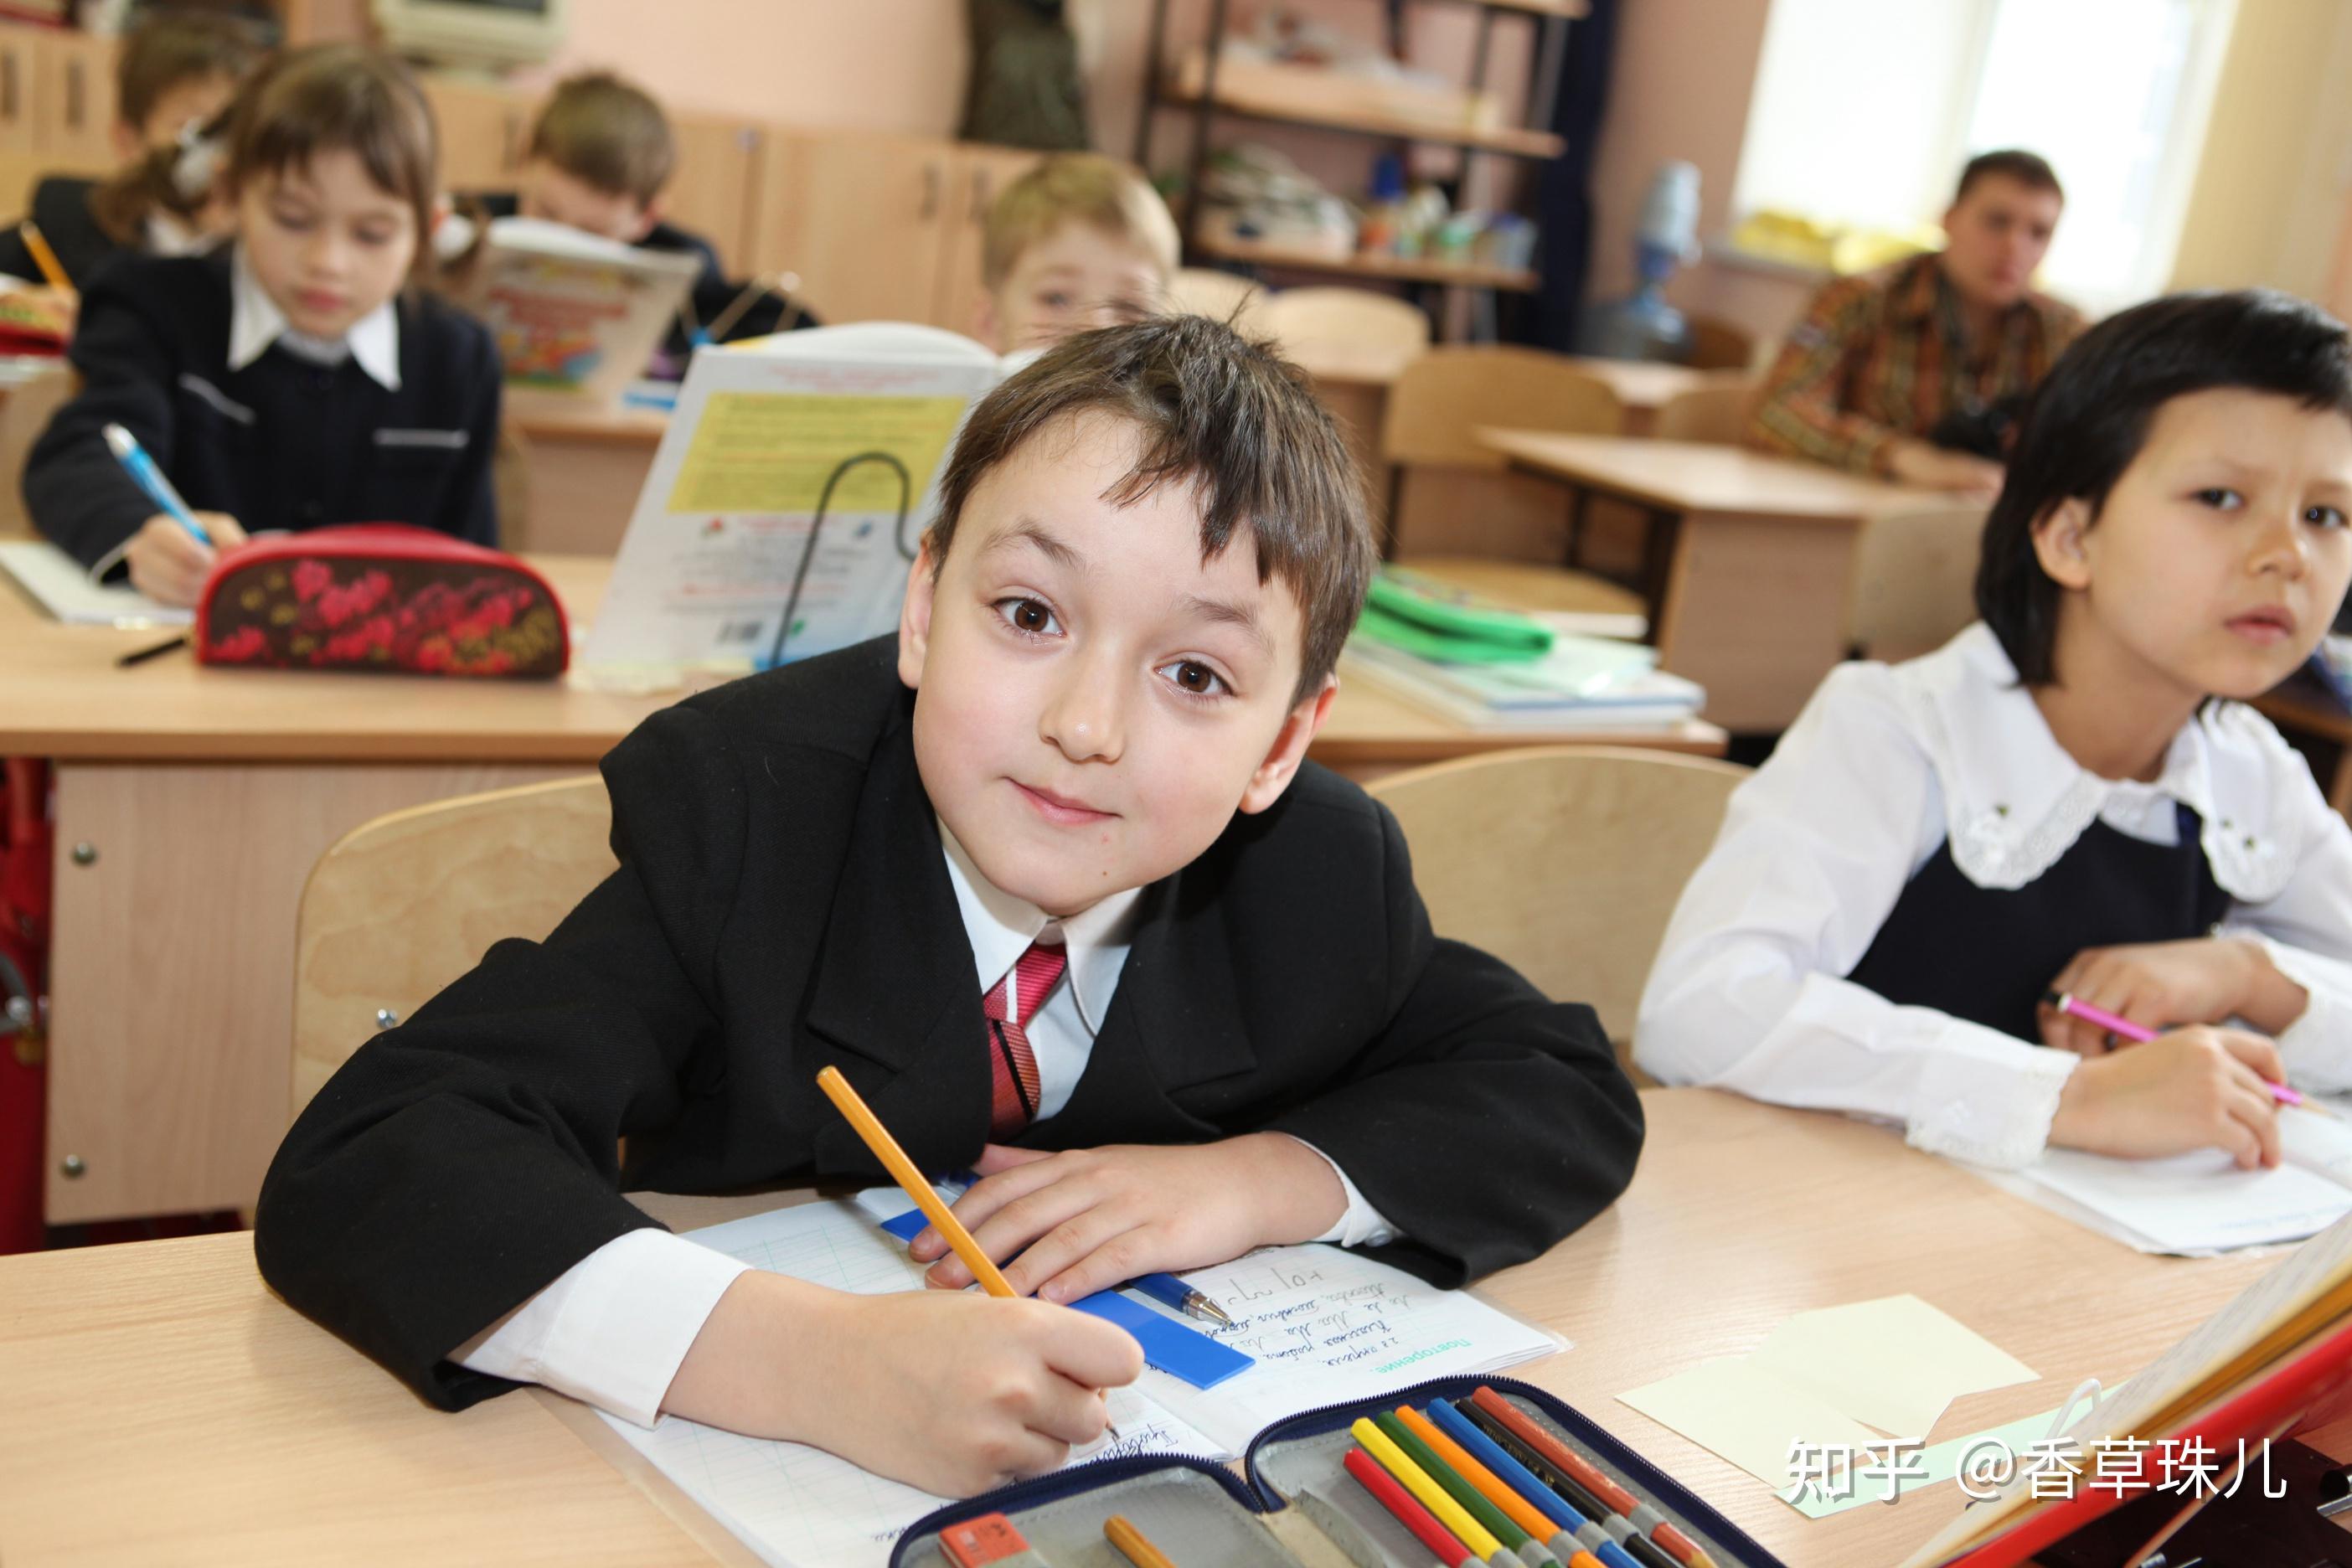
(1532, 586)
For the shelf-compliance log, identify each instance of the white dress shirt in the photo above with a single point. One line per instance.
(254, 323)
(614, 1328)
(1885, 767)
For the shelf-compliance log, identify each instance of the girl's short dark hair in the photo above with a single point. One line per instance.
(2090, 417)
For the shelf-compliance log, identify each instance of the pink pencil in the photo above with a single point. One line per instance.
(2124, 1028)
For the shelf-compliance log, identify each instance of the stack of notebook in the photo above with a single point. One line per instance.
(1487, 667)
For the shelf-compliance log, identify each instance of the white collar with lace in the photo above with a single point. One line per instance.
(2015, 800)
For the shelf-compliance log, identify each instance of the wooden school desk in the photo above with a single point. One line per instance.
(159, 1400)
(192, 804)
(1748, 557)
(1644, 386)
(586, 470)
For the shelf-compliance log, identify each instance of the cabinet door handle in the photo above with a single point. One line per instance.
(931, 193)
(73, 95)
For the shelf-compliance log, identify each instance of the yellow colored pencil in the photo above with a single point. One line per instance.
(1432, 1496)
(1133, 1546)
(43, 257)
(902, 1171)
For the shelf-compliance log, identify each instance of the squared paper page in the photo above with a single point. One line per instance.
(800, 1507)
(1747, 1413)
(1328, 1326)
(2193, 1202)
(1894, 1363)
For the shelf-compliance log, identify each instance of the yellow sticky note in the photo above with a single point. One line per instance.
(1749, 1414)
(773, 451)
(1895, 1363)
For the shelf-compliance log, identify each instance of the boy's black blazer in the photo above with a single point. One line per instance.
(782, 903)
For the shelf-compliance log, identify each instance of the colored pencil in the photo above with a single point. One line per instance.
(43, 257)
(1652, 1524)
(1508, 1502)
(1493, 1519)
(902, 1171)
(1432, 1496)
(1133, 1544)
(1579, 1529)
(1407, 1511)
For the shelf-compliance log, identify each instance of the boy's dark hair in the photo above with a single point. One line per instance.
(2030, 170)
(2091, 417)
(1221, 414)
(341, 95)
(605, 132)
(172, 47)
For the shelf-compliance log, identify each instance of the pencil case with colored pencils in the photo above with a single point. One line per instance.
(384, 597)
(1278, 1512)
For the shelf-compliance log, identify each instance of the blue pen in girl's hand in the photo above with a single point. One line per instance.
(149, 478)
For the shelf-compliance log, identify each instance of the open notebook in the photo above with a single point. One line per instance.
(2200, 1203)
(58, 585)
(1307, 1313)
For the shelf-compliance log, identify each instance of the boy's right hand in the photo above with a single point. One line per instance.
(954, 1393)
(169, 565)
(2204, 1087)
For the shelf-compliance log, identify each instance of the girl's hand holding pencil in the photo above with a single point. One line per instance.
(169, 565)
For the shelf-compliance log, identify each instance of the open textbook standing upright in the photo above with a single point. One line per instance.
(834, 436)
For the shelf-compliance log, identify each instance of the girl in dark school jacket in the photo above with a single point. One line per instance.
(289, 381)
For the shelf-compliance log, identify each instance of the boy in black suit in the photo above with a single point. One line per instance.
(1049, 879)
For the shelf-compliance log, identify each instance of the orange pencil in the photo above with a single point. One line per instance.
(43, 257)
(902, 1171)
(1514, 1507)
(1133, 1545)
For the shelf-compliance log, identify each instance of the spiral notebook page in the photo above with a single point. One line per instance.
(800, 1507)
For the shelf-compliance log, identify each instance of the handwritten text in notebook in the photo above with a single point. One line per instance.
(1328, 1327)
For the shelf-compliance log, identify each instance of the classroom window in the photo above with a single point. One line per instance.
(1863, 113)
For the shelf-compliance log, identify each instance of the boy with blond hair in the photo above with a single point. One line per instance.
(1078, 242)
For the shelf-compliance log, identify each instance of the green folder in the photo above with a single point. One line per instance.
(1435, 619)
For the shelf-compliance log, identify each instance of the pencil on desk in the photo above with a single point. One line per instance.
(1133, 1545)
(43, 257)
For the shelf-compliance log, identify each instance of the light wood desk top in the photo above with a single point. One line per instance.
(157, 1393)
(1699, 477)
(619, 427)
(1645, 385)
(66, 698)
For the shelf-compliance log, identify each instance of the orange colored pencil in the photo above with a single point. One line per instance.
(1133, 1545)
(1500, 1492)
(902, 1171)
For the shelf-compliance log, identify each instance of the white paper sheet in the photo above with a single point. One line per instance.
(57, 582)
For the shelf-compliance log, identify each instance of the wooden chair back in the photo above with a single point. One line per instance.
(1719, 346)
(1350, 321)
(405, 904)
(1914, 582)
(1203, 291)
(1714, 412)
(22, 417)
(1563, 861)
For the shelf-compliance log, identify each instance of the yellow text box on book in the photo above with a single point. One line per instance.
(773, 452)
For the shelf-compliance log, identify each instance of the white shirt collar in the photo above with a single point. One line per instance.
(1001, 927)
(254, 323)
(2015, 800)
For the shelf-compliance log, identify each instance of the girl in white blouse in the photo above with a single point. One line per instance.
(2069, 797)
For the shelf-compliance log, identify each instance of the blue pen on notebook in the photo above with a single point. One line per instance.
(149, 478)
(1171, 1292)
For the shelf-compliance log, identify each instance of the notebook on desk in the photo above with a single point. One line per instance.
(55, 582)
(1312, 1315)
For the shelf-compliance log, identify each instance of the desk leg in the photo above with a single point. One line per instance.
(1658, 565)
(1754, 611)
(172, 966)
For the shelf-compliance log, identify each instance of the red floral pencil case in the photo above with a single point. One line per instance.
(381, 596)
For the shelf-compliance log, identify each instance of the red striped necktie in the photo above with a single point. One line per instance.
(1012, 1069)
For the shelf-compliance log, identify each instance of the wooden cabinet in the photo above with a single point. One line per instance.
(715, 191)
(73, 102)
(859, 217)
(483, 134)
